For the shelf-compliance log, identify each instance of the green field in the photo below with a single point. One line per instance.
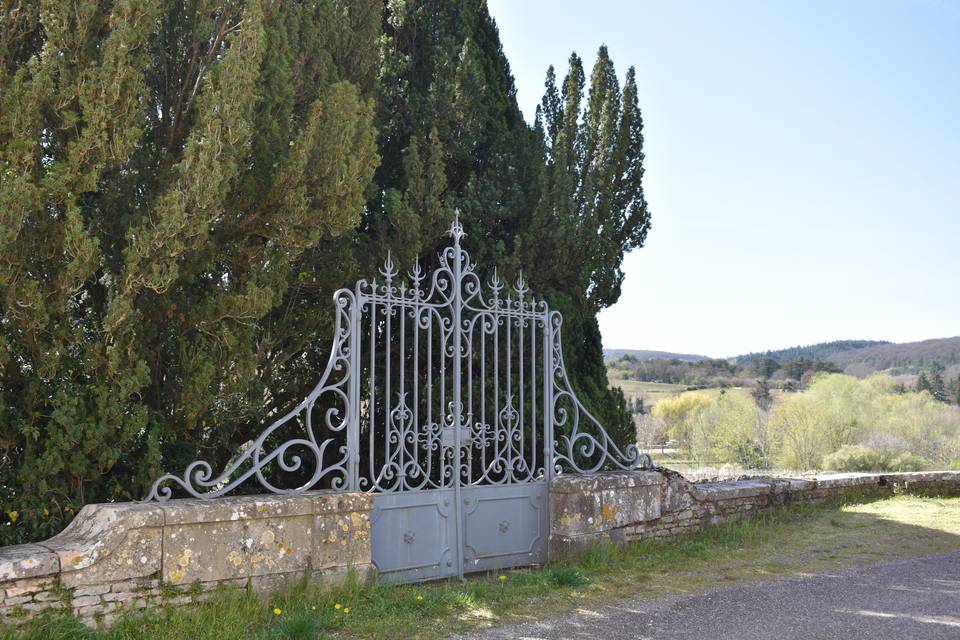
(651, 392)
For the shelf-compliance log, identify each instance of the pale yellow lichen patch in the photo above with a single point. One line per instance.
(235, 558)
(176, 575)
(184, 560)
(267, 537)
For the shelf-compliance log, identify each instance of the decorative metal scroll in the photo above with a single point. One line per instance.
(431, 383)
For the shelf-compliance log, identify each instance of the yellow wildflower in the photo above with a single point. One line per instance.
(14, 515)
(313, 607)
(46, 512)
(419, 597)
(337, 606)
(346, 609)
(502, 579)
(277, 611)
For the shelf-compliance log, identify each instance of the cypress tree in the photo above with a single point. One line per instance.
(175, 177)
(591, 211)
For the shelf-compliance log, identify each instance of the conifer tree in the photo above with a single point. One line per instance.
(175, 176)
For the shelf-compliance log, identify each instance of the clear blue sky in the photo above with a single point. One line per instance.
(803, 164)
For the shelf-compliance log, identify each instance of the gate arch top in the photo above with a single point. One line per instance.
(430, 383)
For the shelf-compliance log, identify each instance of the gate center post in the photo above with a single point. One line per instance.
(457, 407)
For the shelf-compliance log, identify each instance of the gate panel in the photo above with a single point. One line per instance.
(413, 535)
(505, 526)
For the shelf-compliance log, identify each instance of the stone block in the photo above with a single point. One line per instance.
(84, 601)
(27, 561)
(628, 505)
(342, 538)
(27, 587)
(575, 513)
(93, 590)
(278, 541)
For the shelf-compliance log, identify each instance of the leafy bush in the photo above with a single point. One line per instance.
(859, 457)
(907, 461)
(856, 457)
(724, 427)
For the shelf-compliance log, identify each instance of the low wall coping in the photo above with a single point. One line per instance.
(572, 483)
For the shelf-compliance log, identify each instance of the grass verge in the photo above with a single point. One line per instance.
(795, 540)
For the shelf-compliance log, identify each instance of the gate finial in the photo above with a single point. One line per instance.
(456, 229)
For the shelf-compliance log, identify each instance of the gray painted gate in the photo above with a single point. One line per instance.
(449, 401)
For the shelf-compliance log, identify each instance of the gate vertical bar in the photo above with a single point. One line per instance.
(457, 408)
(548, 396)
(353, 396)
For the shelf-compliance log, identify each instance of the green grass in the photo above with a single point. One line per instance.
(799, 539)
(651, 392)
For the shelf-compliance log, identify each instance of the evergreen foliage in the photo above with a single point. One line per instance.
(184, 185)
(819, 351)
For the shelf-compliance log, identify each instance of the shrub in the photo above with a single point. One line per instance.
(858, 457)
(907, 461)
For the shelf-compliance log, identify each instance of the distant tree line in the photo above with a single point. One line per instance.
(819, 351)
(719, 373)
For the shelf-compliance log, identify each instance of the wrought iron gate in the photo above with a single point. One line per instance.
(450, 402)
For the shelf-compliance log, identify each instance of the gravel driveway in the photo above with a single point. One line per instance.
(916, 599)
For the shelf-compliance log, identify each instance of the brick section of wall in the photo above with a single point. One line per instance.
(624, 506)
(127, 556)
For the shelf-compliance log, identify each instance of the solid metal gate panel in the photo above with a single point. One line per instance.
(413, 535)
(448, 400)
(505, 526)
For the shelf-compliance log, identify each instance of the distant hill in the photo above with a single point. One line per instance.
(855, 357)
(645, 354)
(905, 357)
(820, 351)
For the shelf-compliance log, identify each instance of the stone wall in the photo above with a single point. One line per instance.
(127, 556)
(624, 506)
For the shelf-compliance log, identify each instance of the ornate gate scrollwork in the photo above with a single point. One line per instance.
(441, 387)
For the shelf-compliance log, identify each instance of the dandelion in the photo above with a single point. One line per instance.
(337, 606)
(502, 579)
(346, 609)
(419, 598)
(277, 611)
